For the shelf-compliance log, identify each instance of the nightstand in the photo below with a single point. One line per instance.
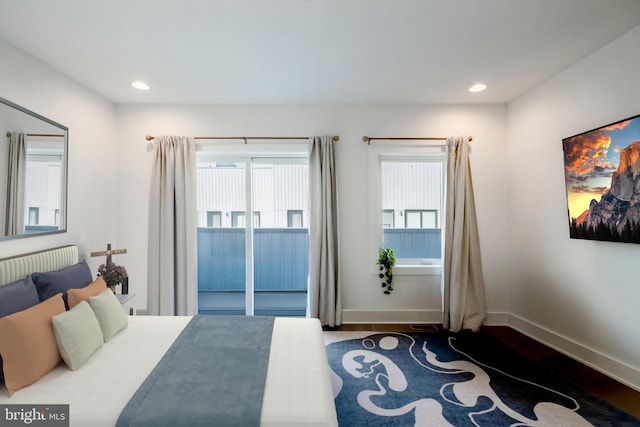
(127, 303)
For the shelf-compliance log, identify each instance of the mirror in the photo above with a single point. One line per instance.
(33, 173)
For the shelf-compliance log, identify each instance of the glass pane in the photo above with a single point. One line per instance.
(214, 219)
(221, 246)
(237, 219)
(387, 219)
(294, 219)
(34, 215)
(412, 188)
(429, 219)
(281, 244)
(412, 219)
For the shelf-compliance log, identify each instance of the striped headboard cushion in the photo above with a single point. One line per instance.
(18, 267)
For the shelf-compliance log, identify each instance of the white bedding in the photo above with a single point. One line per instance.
(297, 392)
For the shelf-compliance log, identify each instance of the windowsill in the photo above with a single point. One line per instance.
(417, 270)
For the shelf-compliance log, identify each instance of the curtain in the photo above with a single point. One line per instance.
(172, 269)
(323, 296)
(16, 176)
(463, 290)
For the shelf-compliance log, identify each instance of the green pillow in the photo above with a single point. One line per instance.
(109, 313)
(78, 335)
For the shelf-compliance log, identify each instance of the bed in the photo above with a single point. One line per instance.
(297, 390)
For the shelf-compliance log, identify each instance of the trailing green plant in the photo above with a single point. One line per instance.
(386, 261)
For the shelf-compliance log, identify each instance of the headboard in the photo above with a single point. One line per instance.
(19, 266)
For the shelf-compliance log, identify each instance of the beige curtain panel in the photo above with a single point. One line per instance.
(172, 268)
(16, 178)
(463, 289)
(323, 296)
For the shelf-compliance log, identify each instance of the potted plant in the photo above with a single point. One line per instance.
(112, 274)
(386, 261)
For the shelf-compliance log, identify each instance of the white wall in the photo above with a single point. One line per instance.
(92, 201)
(415, 298)
(580, 296)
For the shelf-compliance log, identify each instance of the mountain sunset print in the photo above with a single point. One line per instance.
(602, 177)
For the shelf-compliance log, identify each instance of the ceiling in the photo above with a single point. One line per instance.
(313, 51)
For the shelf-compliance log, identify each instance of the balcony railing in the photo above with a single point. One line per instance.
(281, 270)
(281, 259)
(281, 266)
(419, 243)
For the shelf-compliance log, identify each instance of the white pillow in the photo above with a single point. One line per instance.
(109, 313)
(78, 335)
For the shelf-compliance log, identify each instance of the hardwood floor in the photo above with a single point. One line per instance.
(588, 379)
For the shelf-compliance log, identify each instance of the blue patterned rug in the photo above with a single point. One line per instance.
(443, 379)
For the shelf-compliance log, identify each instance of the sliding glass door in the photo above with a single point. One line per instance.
(280, 237)
(221, 237)
(260, 266)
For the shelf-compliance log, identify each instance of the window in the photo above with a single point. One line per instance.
(294, 219)
(237, 219)
(406, 205)
(388, 219)
(34, 215)
(214, 219)
(420, 218)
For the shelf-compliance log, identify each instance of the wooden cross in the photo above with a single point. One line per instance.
(109, 252)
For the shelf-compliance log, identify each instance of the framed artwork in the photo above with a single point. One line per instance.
(602, 177)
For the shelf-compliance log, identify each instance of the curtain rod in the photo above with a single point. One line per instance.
(40, 134)
(245, 138)
(368, 139)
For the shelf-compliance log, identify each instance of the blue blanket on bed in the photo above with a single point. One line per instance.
(213, 375)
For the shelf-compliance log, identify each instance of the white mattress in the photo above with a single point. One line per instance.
(297, 392)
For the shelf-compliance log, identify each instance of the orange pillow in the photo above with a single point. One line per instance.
(74, 296)
(28, 343)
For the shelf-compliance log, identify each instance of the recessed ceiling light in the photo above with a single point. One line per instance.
(478, 87)
(140, 85)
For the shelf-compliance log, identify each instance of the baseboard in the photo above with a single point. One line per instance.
(615, 369)
(391, 316)
(497, 319)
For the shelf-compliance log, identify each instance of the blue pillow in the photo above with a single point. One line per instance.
(14, 297)
(53, 282)
(17, 296)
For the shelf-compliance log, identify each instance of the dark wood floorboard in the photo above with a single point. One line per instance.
(588, 379)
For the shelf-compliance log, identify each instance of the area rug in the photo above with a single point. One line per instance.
(446, 379)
